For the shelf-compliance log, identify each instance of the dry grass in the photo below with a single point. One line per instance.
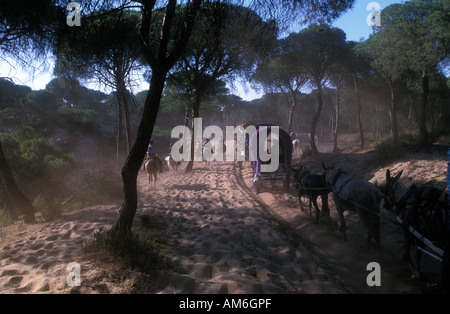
(132, 260)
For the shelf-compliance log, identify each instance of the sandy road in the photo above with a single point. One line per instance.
(226, 241)
(221, 238)
(217, 221)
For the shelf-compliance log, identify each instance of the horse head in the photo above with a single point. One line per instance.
(330, 173)
(392, 190)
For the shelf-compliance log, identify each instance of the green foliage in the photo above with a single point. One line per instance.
(5, 217)
(50, 208)
(157, 131)
(37, 164)
(37, 148)
(41, 99)
(11, 93)
(84, 118)
(387, 152)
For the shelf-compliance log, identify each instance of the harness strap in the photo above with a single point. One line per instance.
(337, 192)
(336, 177)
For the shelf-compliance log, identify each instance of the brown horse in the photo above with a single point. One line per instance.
(152, 166)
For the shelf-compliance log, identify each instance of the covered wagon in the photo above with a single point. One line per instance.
(271, 137)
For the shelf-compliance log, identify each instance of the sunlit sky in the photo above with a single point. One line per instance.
(353, 23)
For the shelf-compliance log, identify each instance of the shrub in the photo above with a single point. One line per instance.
(85, 118)
(443, 139)
(5, 217)
(387, 152)
(130, 248)
(49, 208)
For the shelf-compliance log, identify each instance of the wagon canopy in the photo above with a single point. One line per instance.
(285, 148)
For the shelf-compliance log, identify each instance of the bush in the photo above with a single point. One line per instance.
(49, 208)
(443, 139)
(387, 152)
(85, 118)
(131, 248)
(5, 217)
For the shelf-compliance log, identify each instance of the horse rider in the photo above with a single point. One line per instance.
(153, 152)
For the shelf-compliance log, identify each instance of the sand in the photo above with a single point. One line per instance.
(223, 238)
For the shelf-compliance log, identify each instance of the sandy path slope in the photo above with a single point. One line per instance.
(37, 261)
(226, 243)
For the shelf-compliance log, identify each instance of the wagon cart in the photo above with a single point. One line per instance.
(282, 173)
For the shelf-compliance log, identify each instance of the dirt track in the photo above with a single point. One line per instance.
(221, 238)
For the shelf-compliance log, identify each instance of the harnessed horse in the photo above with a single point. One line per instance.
(422, 213)
(358, 195)
(313, 186)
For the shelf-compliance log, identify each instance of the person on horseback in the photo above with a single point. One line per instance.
(153, 152)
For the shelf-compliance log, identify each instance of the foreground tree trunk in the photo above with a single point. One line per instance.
(134, 160)
(161, 63)
(22, 203)
(123, 97)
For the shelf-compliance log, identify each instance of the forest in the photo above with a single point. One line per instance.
(391, 88)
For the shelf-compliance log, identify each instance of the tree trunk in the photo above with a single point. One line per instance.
(195, 114)
(119, 131)
(292, 111)
(377, 119)
(393, 113)
(122, 94)
(20, 200)
(291, 117)
(336, 125)
(160, 64)
(358, 102)
(423, 108)
(133, 163)
(315, 119)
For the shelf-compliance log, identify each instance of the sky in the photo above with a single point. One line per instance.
(353, 23)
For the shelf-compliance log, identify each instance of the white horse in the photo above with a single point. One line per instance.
(172, 164)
